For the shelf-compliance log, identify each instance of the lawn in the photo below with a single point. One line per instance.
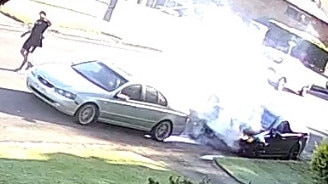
(78, 165)
(259, 171)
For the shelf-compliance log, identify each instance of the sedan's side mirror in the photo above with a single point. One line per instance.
(122, 97)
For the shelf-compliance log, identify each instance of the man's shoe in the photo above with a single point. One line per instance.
(29, 65)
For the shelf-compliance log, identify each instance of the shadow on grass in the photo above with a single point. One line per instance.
(67, 168)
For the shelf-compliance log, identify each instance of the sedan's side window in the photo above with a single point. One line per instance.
(133, 92)
(151, 95)
(161, 100)
(284, 127)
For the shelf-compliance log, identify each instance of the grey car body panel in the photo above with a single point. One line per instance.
(129, 113)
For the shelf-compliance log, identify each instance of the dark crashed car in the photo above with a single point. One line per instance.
(276, 139)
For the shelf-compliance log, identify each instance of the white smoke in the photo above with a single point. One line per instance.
(222, 56)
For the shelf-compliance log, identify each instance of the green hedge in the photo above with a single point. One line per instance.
(319, 163)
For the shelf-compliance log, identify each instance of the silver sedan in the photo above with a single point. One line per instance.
(95, 91)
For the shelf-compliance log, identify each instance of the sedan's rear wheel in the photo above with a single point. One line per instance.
(86, 114)
(281, 84)
(294, 152)
(162, 131)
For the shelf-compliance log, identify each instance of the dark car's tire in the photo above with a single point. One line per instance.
(161, 131)
(281, 84)
(294, 152)
(87, 114)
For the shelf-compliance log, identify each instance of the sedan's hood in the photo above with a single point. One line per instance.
(64, 77)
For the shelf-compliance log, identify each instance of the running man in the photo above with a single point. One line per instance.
(34, 40)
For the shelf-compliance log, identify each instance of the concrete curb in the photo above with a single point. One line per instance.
(216, 164)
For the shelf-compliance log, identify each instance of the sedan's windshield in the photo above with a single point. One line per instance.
(100, 74)
(268, 119)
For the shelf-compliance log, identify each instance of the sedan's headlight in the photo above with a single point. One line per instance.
(66, 94)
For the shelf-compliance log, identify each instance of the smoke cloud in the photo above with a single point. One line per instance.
(219, 55)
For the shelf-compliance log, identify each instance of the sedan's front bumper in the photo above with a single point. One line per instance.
(46, 92)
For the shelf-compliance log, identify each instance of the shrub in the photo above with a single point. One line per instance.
(179, 180)
(319, 163)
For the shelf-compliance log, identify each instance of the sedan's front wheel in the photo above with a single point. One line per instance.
(161, 131)
(86, 114)
(304, 91)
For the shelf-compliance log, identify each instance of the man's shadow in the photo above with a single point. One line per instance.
(7, 69)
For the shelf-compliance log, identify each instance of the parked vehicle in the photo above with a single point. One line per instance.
(277, 139)
(319, 91)
(288, 72)
(94, 90)
(298, 57)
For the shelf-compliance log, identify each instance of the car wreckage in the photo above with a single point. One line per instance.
(276, 139)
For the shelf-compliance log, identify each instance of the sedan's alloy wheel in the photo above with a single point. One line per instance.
(162, 131)
(87, 114)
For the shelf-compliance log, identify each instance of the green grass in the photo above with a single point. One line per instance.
(267, 171)
(42, 165)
